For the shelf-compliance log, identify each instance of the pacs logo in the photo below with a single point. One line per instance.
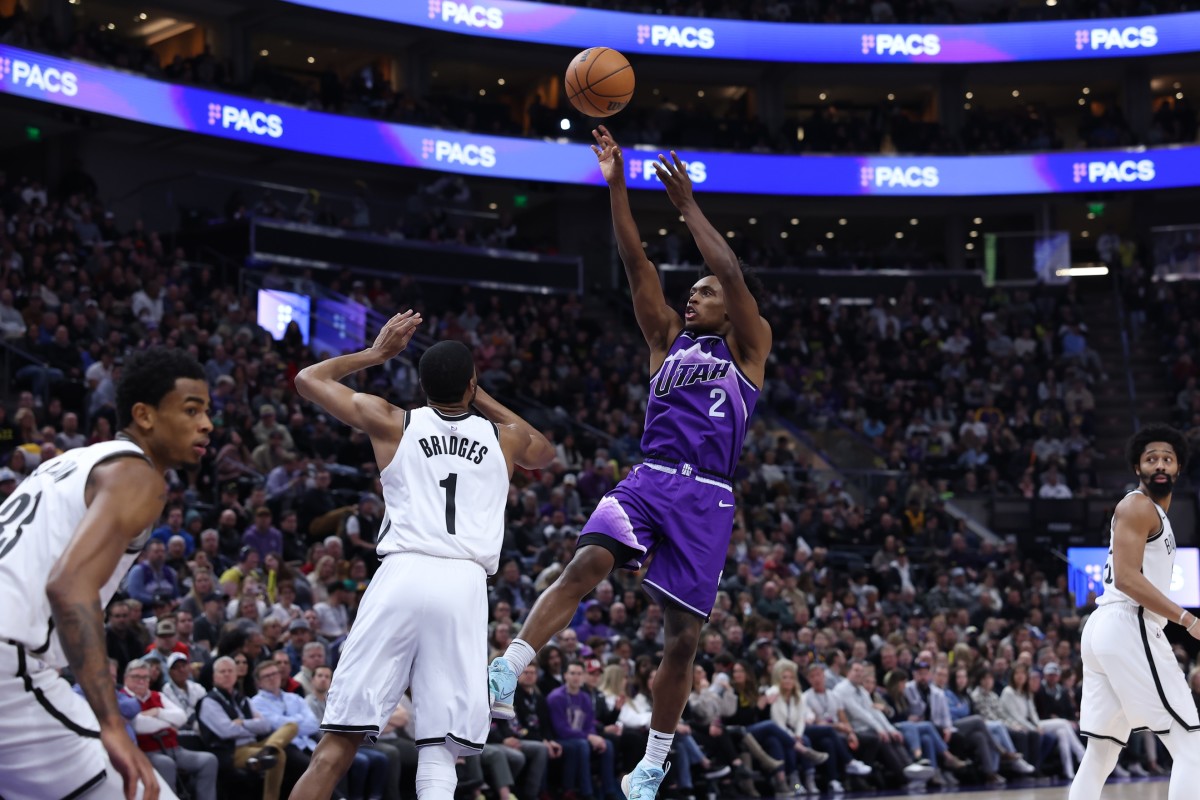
(1119, 38)
(475, 16)
(895, 44)
(687, 36)
(1113, 171)
(32, 76)
(906, 177)
(470, 155)
(643, 169)
(241, 119)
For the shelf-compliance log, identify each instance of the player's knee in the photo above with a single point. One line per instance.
(680, 650)
(589, 566)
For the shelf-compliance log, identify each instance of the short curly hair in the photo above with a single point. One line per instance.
(749, 275)
(1156, 432)
(149, 375)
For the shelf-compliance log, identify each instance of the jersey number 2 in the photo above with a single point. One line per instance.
(9, 514)
(719, 396)
(450, 484)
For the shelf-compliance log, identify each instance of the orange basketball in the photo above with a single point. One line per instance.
(599, 82)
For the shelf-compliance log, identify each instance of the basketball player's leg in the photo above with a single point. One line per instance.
(673, 681)
(330, 761)
(1097, 764)
(1102, 718)
(683, 578)
(619, 533)
(374, 671)
(436, 778)
(557, 605)
(1184, 746)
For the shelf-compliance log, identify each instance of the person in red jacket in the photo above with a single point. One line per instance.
(156, 727)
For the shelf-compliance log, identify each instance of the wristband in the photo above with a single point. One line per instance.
(1195, 619)
(1182, 614)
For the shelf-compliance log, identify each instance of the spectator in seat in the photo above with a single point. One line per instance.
(125, 637)
(264, 537)
(152, 576)
(174, 527)
(281, 708)
(333, 614)
(573, 719)
(182, 690)
(157, 726)
(312, 657)
(238, 735)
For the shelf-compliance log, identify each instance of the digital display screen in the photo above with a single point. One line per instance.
(1085, 573)
(277, 310)
(104, 91)
(338, 327)
(811, 43)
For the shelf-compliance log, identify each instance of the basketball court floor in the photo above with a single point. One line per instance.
(1134, 789)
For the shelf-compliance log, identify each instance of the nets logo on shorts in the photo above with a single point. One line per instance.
(474, 16)
(891, 177)
(244, 120)
(51, 80)
(896, 44)
(1119, 38)
(642, 169)
(469, 155)
(1129, 171)
(687, 37)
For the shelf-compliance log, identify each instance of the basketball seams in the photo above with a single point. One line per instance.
(592, 89)
(572, 81)
(587, 76)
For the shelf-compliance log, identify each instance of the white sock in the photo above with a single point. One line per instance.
(658, 747)
(519, 655)
(436, 778)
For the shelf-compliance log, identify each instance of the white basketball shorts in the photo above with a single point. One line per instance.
(49, 736)
(1131, 680)
(422, 624)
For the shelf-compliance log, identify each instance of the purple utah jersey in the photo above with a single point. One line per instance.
(699, 405)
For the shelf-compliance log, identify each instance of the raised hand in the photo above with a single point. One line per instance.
(396, 333)
(608, 153)
(674, 175)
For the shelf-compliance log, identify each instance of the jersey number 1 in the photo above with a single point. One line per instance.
(450, 484)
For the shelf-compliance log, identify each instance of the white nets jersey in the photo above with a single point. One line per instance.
(1158, 563)
(446, 489)
(37, 523)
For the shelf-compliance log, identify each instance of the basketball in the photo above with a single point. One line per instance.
(599, 82)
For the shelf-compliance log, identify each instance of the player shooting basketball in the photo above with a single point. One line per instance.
(707, 369)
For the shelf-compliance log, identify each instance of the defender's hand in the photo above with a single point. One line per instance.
(395, 335)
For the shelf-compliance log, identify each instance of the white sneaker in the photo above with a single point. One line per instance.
(835, 787)
(856, 767)
(1022, 767)
(1138, 771)
(918, 772)
(1120, 771)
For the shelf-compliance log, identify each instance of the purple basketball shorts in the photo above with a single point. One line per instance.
(678, 520)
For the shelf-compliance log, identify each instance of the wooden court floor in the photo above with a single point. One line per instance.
(1127, 789)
